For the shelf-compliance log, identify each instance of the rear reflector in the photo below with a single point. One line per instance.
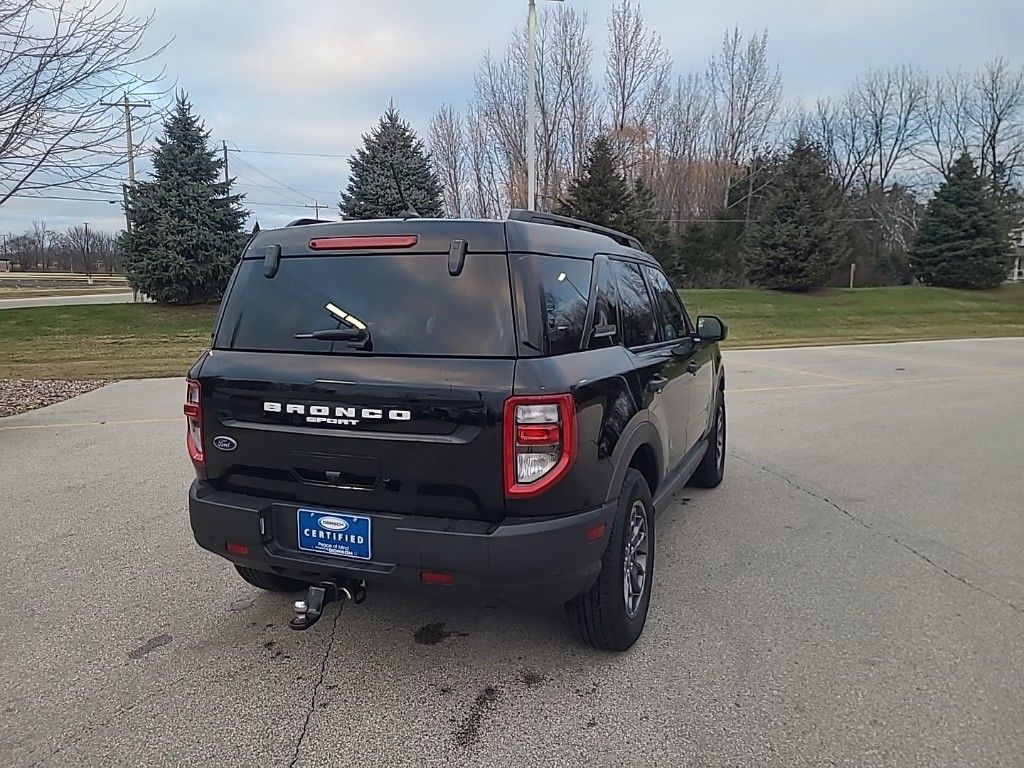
(439, 578)
(538, 434)
(362, 242)
(237, 549)
(595, 533)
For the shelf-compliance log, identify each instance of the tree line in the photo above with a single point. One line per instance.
(724, 181)
(76, 249)
(708, 145)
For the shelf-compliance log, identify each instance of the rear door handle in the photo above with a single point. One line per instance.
(656, 384)
(692, 367)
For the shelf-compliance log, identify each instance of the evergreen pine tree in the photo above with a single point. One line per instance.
(963, 239)
(800, 238)
(371, 192)
(643, 221)
(186, 225)
(600, 196)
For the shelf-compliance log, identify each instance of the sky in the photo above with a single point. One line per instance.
(274, 77)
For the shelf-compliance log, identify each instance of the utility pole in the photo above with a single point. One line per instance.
(531, 107)
(127, 106)
(224, 146)
(316, 206)
(85, 254)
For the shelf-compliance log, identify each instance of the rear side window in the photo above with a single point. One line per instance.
(408, 303)
(671, 315)
(555, 291)
(635, 310)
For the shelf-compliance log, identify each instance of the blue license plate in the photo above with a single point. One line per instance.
(334, 533)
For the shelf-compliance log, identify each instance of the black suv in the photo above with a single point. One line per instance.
(495, 407)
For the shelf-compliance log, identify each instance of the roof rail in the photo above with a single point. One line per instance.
(304, 222)
(539, 217)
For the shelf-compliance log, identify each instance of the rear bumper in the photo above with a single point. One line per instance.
(539, 563)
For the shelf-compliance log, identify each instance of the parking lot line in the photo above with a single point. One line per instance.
(835, 385)
(851, 384)
(785, 369)
(958, 366)
(108, 423)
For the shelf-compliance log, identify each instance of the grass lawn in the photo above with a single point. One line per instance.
(102, 341)
(116, 341)
(840, 316)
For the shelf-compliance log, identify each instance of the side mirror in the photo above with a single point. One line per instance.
(711, 328)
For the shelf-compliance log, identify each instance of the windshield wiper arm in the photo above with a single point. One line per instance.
(336, 334)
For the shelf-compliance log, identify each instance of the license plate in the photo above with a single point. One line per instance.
(334, 533)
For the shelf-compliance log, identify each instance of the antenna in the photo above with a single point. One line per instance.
(409, 212)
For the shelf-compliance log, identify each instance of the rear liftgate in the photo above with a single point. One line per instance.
(319, 596)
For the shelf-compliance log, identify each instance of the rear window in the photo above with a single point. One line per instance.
(408, 303)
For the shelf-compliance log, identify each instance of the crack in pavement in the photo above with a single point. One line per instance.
(316, 689)
(867, 526)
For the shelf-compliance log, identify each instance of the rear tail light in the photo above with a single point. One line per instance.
(540, 442)
(194, 421)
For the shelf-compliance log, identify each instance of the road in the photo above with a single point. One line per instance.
(60, 301)
(852, 595)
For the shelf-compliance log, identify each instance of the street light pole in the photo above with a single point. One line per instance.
(531, 108)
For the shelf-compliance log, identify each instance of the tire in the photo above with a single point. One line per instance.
(600, 616)
(270, 581)
(711, 469)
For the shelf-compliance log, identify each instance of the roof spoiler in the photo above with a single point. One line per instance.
(539, 217)
(304, 222)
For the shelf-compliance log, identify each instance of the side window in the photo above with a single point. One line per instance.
(554, 291)
(635, 310)
(672, 317)
(605, 332)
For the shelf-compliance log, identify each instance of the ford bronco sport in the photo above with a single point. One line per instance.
(488, 407)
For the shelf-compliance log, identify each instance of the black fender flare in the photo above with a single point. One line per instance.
(640, 431)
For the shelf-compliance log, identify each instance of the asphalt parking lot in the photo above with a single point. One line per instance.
(851, 595)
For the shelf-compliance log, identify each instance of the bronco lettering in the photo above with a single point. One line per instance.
(345, 415)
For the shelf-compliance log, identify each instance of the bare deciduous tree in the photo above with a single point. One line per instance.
(637, 81)
(500, 102)
(60, 62)
(567, 101)
(838, 128)
(946, 116)
(448, 154)
(747, 93)
(573, 57)
(685, 184)
(998, 117)
(889, 104)
(485, 197)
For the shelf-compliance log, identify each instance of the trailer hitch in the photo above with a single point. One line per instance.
(319, 596)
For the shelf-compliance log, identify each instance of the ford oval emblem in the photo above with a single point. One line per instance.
(333, 523)
(224, 443)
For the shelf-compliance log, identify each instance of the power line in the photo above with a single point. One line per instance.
(116, 202)
(267, 176)
(289, 154)
(65, 197)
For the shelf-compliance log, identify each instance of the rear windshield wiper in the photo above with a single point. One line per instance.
(336, 334)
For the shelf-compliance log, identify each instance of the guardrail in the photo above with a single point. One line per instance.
(63, 282)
